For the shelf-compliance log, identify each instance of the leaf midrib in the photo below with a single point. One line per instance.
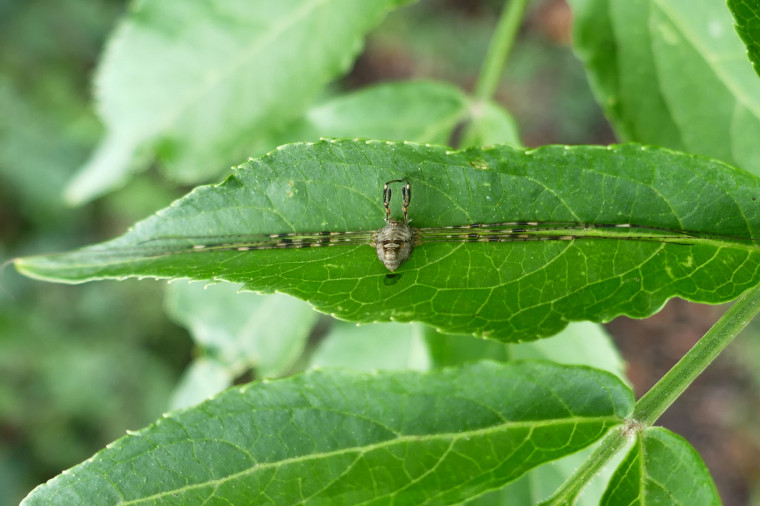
(452, 437)
(173, 114)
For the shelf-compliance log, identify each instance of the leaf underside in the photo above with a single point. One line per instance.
(506, 291)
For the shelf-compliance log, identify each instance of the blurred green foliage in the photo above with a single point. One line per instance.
(78, 365)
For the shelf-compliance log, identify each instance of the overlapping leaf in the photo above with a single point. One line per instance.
(661, 468)
(672, 73)
(747, 18)
(236, 333)
(508, 291)
(352, 438)
(198, 82)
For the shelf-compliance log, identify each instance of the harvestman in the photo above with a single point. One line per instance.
(396, 240)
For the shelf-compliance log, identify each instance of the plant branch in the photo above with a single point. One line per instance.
(652, 404)
(612, 443)
(498, 50)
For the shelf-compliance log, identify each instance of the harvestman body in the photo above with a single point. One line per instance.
(396, 240)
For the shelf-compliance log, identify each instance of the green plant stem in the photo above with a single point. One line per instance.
(612, 443)
(652, 404)
(659, 398)
(501, 43)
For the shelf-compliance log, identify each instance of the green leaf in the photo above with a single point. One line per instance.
(203, 379)
(747, 23)
(490, 124)
(637, 54)
(390, 346)
(661, 468)
(349, 438)
(196, 81)
(508, 291)
(455, 349)
(379, 346)
(243, 330)
(581, 343)
(419, 111)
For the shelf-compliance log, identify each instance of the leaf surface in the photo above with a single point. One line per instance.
(236, 332)
(378, 346)
(747, 22)
(508, 291)
(661, 468)
(417, 111)
(243, 330)
(353, 438)
(579, 344)
(197, 81)
(672, 73)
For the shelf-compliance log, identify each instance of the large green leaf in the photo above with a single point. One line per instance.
(661, 468)
(747, 17)
(349, 438)
(508, 291)
(198, 81)
(579, 344)
(672, 73)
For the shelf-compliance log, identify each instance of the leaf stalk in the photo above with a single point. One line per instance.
(654, 403)
(611, 444)
(498, 50)
(659, 398)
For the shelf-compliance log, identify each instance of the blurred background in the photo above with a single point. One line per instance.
(79, 365)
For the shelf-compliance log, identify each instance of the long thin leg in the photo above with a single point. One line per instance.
(406, 197)
(387, 200)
